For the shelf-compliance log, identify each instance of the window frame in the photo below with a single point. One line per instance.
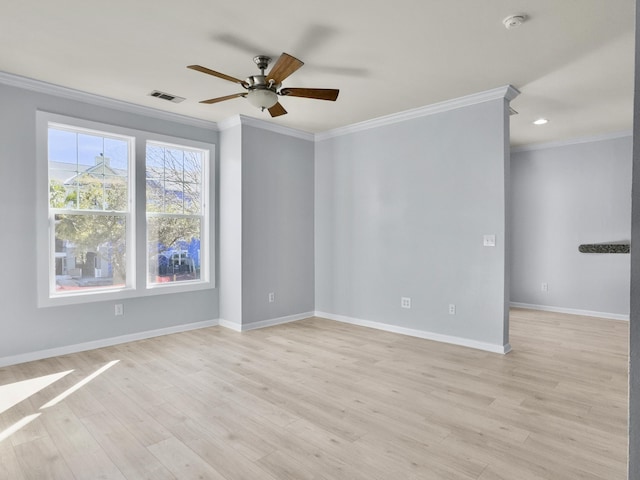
(205, 252)
(137, 261)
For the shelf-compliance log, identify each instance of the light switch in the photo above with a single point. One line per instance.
(489, 240)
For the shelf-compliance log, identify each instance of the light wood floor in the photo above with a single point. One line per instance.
(317, 399)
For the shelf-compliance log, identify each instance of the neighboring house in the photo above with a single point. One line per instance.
(59, 171)
(75, 267)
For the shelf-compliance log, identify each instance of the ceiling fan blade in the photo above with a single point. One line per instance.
(222, 99)
(284, 67)
(330, 94)
(208, 71)
(277, 110)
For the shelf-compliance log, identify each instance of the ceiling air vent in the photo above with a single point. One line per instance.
(166, 96)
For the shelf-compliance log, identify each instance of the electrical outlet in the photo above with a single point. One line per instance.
(489, 240)
(544, 287)
(119, 309)
(405, 302)
(452, 309)
(272, 297)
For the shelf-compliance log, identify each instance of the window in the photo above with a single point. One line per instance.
(89, 209)
(175, 212)
(91, 245)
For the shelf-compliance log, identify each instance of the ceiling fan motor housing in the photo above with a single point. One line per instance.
(262, 94)
(260, 81)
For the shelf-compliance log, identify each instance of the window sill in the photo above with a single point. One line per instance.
(121, 294)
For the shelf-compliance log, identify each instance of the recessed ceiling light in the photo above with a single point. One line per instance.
(540, 121)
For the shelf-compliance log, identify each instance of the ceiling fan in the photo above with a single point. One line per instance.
(263, 91)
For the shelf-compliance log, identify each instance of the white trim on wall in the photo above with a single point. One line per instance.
(571, 311)
(237, 120)
(265, 323)
(572, 141)
(464, 342)
(106, 342)
(78, 95)
(508, 92)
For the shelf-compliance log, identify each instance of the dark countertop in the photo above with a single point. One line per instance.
(604, 248)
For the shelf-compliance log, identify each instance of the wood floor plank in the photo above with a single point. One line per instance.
(126, 410)
(221, 452)
(84, 456)
(40, 459)
(183, 462)
(31, 431)
(132, 458)
(317, 399)
(9, 466)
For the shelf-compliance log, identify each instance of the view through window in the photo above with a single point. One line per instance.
(94, 247)
(174, 185)
(89, 208)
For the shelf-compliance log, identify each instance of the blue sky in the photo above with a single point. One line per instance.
(81, 148)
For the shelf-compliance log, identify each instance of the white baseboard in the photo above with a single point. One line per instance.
(264, 323)
(106, 342)
(230, 325)
(465, 342)
(572, 311)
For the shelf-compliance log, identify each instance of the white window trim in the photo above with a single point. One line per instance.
(137, 251)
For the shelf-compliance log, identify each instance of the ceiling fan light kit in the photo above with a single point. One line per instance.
(263, 91)
(262, 98)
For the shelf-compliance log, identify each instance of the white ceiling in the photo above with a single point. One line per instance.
(572, 59)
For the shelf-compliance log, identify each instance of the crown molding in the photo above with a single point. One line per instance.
(276, 128)
(227, 123)
(572, 141)
(237, 120)
(507, 92)
(72, 94)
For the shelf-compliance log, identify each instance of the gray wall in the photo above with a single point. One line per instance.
(634, 333)
(277, 225)
(564, 196)
(266, 217)
(24, 328)
(401, 210)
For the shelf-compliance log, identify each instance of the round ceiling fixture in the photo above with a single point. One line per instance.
(262, 98)
(513, 21)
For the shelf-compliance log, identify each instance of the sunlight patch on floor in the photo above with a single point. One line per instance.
(17, 426)
(78, 385)
(14, 393)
